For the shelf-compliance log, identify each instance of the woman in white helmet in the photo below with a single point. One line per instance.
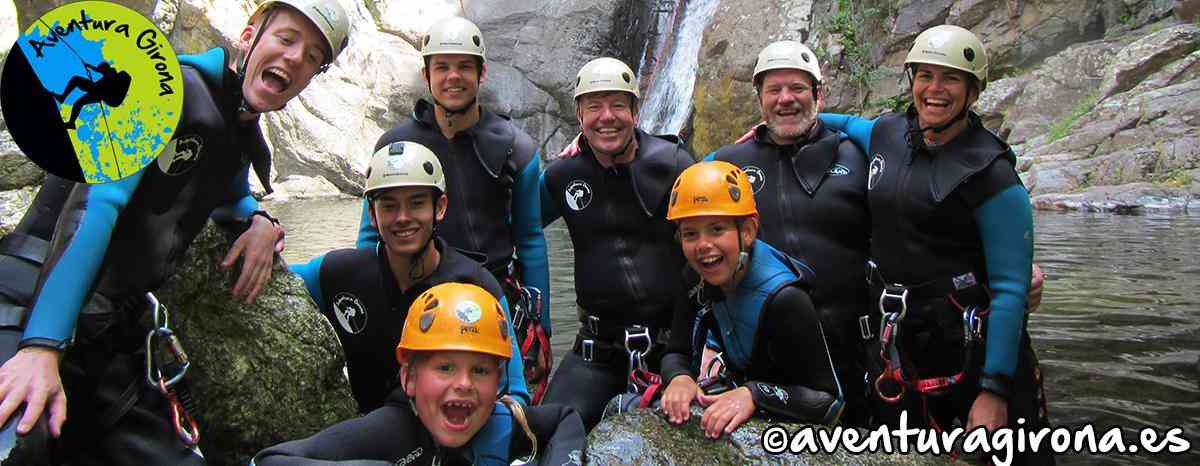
(122, 240)
(952, 221)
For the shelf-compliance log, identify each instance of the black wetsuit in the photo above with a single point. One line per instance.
(953, 224)
(626, 261)
(356, 290)
(393, 435)
(772, 335)
(812, 205)
(116, 241)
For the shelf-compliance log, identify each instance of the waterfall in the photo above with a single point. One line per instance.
(668, 103)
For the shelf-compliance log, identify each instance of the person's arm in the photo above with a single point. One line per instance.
(379, 438)
(491, 445)
(550, 211)
(368, 236)
(856, 127)
(1005, 224)
(681, 389)
(527, 232)
(256, 245)
(562, 439)
(795, 329)
(310, 272)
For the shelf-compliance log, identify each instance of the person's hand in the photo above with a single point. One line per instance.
(677, 399)
(989, 411)
(1037, 279)
(572, 149)
(750, 134)
(725, 412)
(258, 245)
(31, 377)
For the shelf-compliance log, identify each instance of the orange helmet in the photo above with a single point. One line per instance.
(455, 317)
(711, 188)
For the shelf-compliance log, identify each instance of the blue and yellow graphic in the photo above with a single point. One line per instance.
(113, 80)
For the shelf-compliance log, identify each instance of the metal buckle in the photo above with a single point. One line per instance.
(637, 357)
(864, 327)
(592, 324)
(870, 270)
(587, 347)
(888, 292)
(166, 340)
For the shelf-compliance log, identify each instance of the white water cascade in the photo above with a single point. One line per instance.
(669, 101)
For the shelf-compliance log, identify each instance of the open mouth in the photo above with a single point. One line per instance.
(608, 131)
(457, 413)
(937, 103)
(276, 79)
(405, 233)
(710, 264)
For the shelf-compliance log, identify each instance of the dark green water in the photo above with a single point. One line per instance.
(1118, 333)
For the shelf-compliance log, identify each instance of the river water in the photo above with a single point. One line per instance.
(1118, 332)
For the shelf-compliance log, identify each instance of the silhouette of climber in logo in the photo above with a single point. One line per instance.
(111, 88)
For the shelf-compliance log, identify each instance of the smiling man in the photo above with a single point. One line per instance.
(491, 173)
(613, 196)
(811, 184)
(115, 242)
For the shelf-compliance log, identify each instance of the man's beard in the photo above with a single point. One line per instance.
(808, 115)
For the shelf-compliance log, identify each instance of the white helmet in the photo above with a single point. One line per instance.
(327, 15)
(454, 35)
(606, 74)
(951, 46)
(787, 54)
(402, 164)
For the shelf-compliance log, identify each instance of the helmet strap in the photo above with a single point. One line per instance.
(743, 256)
(416, 266)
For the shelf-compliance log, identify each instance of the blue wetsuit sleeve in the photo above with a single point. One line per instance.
(490, 446)
(550, 211)
(527, 231)
(310, 272)
(61, 295)
(710, 157)
(856, 127)
(1006, 227)
(368, 236)
(514, 385)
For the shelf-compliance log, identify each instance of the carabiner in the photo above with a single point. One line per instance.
(902, 297)
(154, 375)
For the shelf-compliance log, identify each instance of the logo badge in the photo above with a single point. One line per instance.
(579, 195)
(756, 176)
(876, 172)
(468, 312)
(937, 39)
(350, 312)
(92, 91)
(181, 154)
(839, 170)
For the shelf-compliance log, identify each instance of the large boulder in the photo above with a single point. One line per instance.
(13, 205)
(262, 373)
(644, 437)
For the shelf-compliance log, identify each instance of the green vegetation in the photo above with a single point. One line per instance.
(896, 103)
(1177, 178)
(1060, 128)
(847, 23)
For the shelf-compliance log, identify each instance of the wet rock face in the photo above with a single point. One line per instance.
(262, 373)
(643, 437)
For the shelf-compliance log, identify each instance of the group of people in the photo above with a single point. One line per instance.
(825, 269)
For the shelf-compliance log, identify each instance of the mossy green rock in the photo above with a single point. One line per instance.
(262, 373)
(643, 437)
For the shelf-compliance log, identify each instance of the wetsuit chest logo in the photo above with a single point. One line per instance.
(180, 155)
(350, 312)
(756, 176)
(876, 172)
(839, 170)
(578, 195)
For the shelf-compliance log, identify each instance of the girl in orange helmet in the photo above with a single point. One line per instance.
(754, 300)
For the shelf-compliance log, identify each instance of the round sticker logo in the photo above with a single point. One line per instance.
(468, 312)
(579, 195)
(92, 91)
(756, 176)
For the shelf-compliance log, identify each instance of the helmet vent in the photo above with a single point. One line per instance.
(476, 40)
(625, 76)
(427, 320)
(735, 193)
(396, 148)
(969, 54)
(428, 166)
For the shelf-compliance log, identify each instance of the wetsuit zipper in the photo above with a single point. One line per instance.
(625, 261)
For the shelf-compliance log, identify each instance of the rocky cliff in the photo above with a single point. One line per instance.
(1094, 94)
(1097, 96)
